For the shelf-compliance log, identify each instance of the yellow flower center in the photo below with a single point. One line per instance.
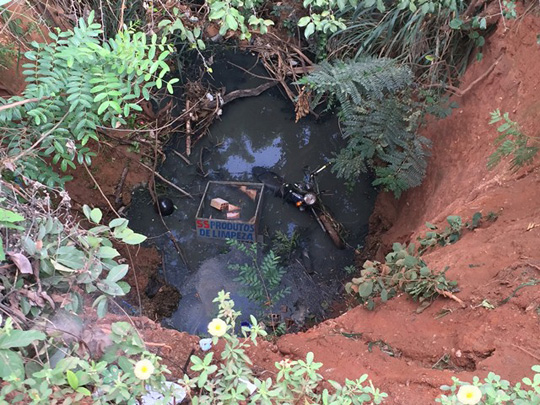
(469, 394)
(144, 369)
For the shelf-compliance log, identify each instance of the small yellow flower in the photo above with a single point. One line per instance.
(469, 395)
(143, 369)
(217, 327)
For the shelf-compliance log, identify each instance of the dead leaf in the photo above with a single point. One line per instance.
(21, 261)
(33, 296)
(47, 297)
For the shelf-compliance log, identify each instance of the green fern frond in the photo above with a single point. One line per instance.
(378, 119)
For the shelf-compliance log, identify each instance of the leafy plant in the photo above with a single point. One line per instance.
(494, 390)
(451, 234)
(74, 82)
(61, 256)
(11, 361)
(284, 245)
(511, 141)
(404, 271)
(379, 121)
(114, 378)
(232, 15)
(231, 380)
(262, 279)
(414, 32)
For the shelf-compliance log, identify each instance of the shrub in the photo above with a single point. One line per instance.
(379, 121)
(232, 380)
(262, 278)
(74, 83)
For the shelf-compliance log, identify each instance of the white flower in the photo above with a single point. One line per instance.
(217, 327)
(143, 369)
(469, 395)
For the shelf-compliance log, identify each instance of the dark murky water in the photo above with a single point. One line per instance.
(256, 131)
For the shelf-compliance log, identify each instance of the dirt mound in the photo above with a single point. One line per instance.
(495, 265)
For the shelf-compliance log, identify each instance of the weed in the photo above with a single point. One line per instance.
(402, 271)
(284, 245)
(475, 221)
(262, 278)
(384, 347)
(442, 313)
(493, 390)
(444, 363)
(511, 142)
(232, 380)
(449, 235)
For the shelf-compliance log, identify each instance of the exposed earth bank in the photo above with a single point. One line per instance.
(489, 263)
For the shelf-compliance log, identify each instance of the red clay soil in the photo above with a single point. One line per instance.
(489, 263)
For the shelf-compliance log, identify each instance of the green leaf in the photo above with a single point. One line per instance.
(310, 29)
(96, 215)
(231, 22)
(106, 252)
(110, 288)
(72, 379)
(118, 222)
(101, 304)
(103, 107)
(86, 211)
(2, 253)
(302, 22)
(134, 239)
(84, 391)
(365, 289)
(20, 338)
(425, 271)
(11, 364)
(456, 24)
(10, 216)
(410, 261)
(117, 273)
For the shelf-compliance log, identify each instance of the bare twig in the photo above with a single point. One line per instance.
(22, 102)
(526, 351)
(448, 294)
(184, 192)
(185, 159)
(154, 196)
(100, 190)
(460, 93)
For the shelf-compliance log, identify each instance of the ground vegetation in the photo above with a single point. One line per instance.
(110, 64)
